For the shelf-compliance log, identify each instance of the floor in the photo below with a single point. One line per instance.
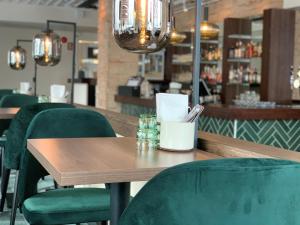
(44, 185)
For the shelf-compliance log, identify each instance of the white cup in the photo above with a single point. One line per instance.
(177, 136)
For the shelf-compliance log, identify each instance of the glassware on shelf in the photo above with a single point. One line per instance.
(252, 99)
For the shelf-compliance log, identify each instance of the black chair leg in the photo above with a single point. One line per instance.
(15, 201)
(4, 185)
(1, 164)
(104, 223)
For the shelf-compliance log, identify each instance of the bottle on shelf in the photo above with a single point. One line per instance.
(211, 53)
(242, 75)
(243, 50)
(212, 75)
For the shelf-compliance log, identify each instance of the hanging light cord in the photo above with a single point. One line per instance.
(34, 79)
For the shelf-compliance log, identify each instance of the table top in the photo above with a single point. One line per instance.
(105, 160)
(8, 113)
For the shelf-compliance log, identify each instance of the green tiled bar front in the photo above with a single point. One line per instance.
(279, 133)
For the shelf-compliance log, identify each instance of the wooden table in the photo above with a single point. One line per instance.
(8, 113)
(106, 160)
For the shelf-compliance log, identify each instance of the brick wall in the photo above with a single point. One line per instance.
(228, 8)
(115, 65)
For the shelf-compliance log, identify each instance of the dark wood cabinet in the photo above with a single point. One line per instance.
(278, 55)
(276, 60)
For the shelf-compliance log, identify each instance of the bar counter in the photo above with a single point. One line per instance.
(279, 126)
(227, 147)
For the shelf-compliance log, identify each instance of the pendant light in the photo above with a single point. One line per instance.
(17, 58)
(46, 48)
(208, 30)
(175, 37)
(142, 26)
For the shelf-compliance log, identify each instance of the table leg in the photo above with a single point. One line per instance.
(119, 199)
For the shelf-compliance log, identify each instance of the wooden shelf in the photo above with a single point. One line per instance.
(183, 45)
(239, 60)
(213, 62)
(182, 63)
(244, 37)
(210, 42)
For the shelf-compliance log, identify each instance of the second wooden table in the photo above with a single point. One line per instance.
(8, 113)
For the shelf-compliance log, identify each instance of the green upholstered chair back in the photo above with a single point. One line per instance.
(4, 92)
(17, 131)
(57, 123)
(13, 100)
(220, 192)
(17, 100)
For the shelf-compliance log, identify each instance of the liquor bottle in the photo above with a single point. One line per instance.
(243, 50)
(232, 52)
(255, 76)
(231, 74)
(259, 50)
(249, 50)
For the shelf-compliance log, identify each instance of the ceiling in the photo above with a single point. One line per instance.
(179, 5)
(58, 3)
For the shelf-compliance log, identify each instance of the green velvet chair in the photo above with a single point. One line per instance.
(17, 100)
(15, 136)
(4, 92)
(62, 206)
(8, 100)
(220, 192)
(12, 101)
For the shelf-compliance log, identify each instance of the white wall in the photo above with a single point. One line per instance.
(35, 14)
(291, 3)
(46, 75)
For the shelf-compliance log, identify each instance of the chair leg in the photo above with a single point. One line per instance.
(1, 164)
(55, 185)
(15, 201)
(4, 185)
(102, 223)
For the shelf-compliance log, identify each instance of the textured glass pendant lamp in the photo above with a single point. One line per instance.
(176, 37)
(17, 58)
(142, 26)
(46, 48)
(208, 30)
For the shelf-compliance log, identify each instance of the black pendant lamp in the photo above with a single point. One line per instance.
(142, 26)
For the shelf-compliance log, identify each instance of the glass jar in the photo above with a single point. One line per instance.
(17, 58)
(142, 26)
(147, 133)
(46, 48)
